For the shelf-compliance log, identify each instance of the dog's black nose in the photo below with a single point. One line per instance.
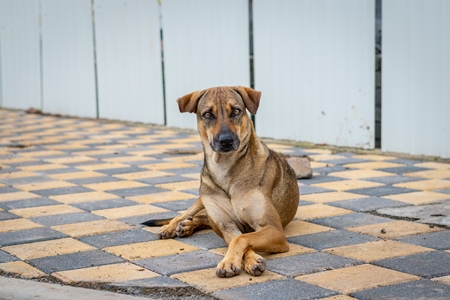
(226, 141)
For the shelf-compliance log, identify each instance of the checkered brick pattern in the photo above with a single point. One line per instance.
(73, 193)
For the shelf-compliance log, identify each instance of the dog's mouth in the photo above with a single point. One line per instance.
(224, 143)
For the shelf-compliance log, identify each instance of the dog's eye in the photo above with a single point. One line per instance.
(236, 112)
(208, 115)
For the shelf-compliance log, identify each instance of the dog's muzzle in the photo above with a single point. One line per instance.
(225, 142)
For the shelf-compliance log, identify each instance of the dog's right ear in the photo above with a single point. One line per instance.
(188, 103)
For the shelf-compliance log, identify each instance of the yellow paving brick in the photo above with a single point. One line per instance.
(433, 165)
(431, 174)
(21, 269)
(360, 174)
(115, 185)
(444, 279)
(186, 158)
(192, 176)
(41, 211)
(90, 140)
(168, 166)
(394, 229)
(92, 227)
(178, 186)
(426, 185)
(374, 157)
(352, 279)
(19, 174)
(143, 174)
(207, 281)
(377, 250)
(344, 185)
(318, 151)
(298, 227)
(161, 197)
(331, 197)
(83, 197)
(150, 249)
(115, 147)
(373, 165)
(146, 152)
(47, 248)
(17, 224)
(168, 146)
(76, 175)
(102, 166)
(67, 146)
(43, 185)
(129, 211)
(108, 273)
(314, 211)
(419, 198)
(45, 167)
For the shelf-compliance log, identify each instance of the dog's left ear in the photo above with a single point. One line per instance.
(250, 97)
(188, 103)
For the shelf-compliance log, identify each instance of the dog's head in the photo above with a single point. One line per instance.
(221, 114)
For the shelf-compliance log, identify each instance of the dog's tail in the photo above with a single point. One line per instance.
(158, 222)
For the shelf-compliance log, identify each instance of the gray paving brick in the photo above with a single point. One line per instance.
(138, 220)
(205, 241)
(4, 215)
(71, 218)
(99, 179)
(380, 191)
(367, 204)
(345, 161)
(321, 179)
(179, 263)
(350, 220)
(296, 265)
(62, 191)
(72, 261)
(306, 190)
(393, 179)
(163, 179)
(437, 240)
(404, 161)
(327, 170)
(5, 257)
(446, 191)
(25, 180)
(7, 189)
(155, 282)
(118, 238)
(403, 170)
(29, 236)
(413, 290)
(427, 265)
(123, 170)
(330, 239)
(137, 191)
(286, 289)
(103, 204)
(176, 205)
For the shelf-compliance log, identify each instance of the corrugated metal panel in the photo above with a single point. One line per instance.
(416, 77)
(314, 63)
(206, 43)
(68, 58)
(20, 77)
(129, 60)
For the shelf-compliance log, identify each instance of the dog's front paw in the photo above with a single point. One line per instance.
(254, 264)
(227, 269)
(167, 232)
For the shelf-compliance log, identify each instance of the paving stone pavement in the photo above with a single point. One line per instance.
(73, 193)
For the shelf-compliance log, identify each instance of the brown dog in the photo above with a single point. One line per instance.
(248, 192)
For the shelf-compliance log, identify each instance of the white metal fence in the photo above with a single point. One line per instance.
(314, 61)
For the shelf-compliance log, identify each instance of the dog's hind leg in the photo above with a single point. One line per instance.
(189, 217)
